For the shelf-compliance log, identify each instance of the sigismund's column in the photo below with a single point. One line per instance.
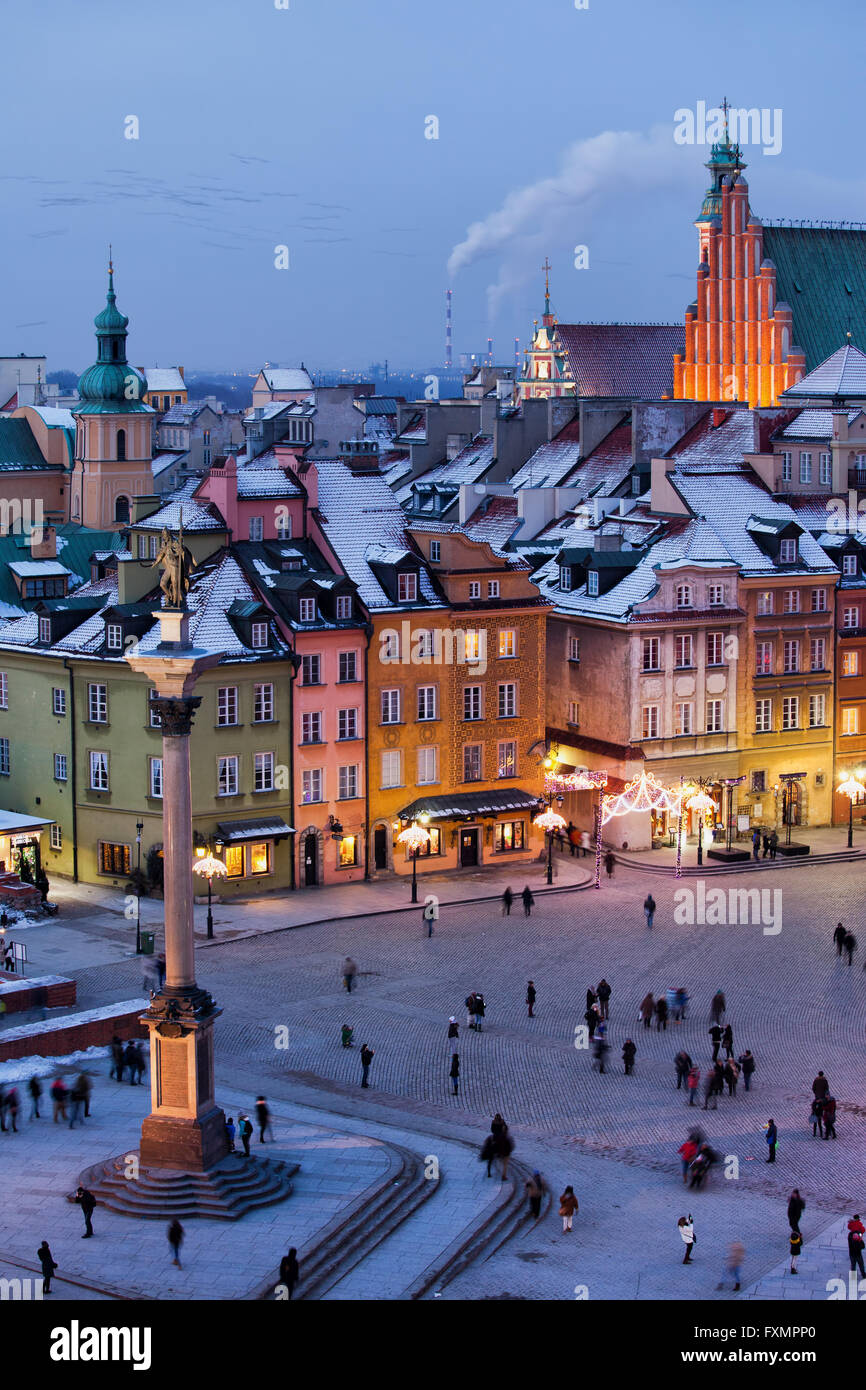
(185, 1129)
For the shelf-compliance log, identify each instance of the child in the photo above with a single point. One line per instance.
(796, 1243)
(230, 1132)
(346, 1035)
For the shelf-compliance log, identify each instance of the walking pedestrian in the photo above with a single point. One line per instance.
(535, 1192)
(139, 1064)
(628, 1055)
(687, 1231)
(693, 1081)
(48, 1263)
(175, 1240)
(839, 938)
(765, 842)
(453, 1033)
(469, 1001)
(584, 843)
(716, 1034)
(76, 1096)
(856, 1232)
(479, 1010)
(263, 1119)
(245, 1132)
(732, 1076)
(568, 1205)
(850, 944)
(603, 991)
(661, 1013)
(454, 1073)
(290, 1271)
(346, 1033)
(367, 1055)
(116, 1058)
(796, 1207)
(230, 1133)
(428, 916)
(649, 908)
(130, 1062)
(600, 1050)
(816, 1116)
(609, 862)
(507, 900)
(647, 1009)
(528, 900)
(34, 1086)
(796, 1246)
(728, 1040)
(717, 1007)
(683, 1065)
(87, 1202)
(12, 1106)
(530, 999)
(592, 1020)
(828, 1116)
(488, 1152)
(503, 1147)
(772, 1140)
(58, 1098)
(756, 843)
(820, 1086)
(161, 968)
(746, 1064)
(350, 970)
(687, 1152)
(774, 844)
(733, 1265)
(710, 1091)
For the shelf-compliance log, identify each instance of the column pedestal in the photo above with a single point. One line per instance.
(185, 1129)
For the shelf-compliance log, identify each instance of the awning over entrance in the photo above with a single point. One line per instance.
(466, 805)
(235, 832)
(11, 823)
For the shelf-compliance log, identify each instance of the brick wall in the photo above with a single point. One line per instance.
(71, 1036)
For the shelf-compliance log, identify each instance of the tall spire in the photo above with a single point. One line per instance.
(548, 317)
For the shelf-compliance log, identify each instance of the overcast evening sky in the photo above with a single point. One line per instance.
(305, 127)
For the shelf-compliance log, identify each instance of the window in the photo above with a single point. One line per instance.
(650, 721)
(472, 762)
(474, 588)
(60, 767)
(433, 845)
(344, 607)
(392, 770)
(155, 778)
(347, 852)
(260, 857)
(684, 596)
(311, 670)
(763, 658)
(819, 600)
(347, 723)
(471, 646)
(58, 700)
(684, 716)
(716, 595)
(850, 719)
(805, 468)
(825, 469)
(715, 648)
(850, 663)
(786, 466)
(763, 716)
(791, 657)
(234, 861)
(227, 704)
(114, 637)
(263, 772)
(650, 654)
(311, 727)
(765, 602)
(435, 551)
(56, 840)
(714, 717)
(426, 702)
(427, 771)
(506, 759)
(113, 859)
(817, 651)
(508, 835)
(574, 649)
(407, 588)
(97, 704)
(850, 617)
(263, 703)
(791, 601)
(788, 552)
(154, 546)
(592, 582)
(849, 565)
(257, 528)
(507, 700)
(154, 717)
(472, 702)
(493, 588)
(283, 525)
(347, 663)
(507, 641)
(259, 634)
(4, 690)
(816, 711)
(390, 707)
(308, 610)
(564, 580)
(790, 711)
(205, 448)
(227, 776)
(682, 649)
(98, 772)
(758, 781)
(311, 784)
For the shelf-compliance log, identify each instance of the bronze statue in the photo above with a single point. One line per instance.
(176, 562)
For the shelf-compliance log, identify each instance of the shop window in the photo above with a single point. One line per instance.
(347, 854)
(260, 858)
(234, 857)
(508, 835)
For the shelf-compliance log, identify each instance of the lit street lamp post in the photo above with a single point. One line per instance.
(139, 826)
(701, 802)
(208, 866)
(549, 821)
(854, 791)
(414, 837)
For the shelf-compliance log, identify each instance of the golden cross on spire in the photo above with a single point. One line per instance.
(726, 108)
(110, 261)
(547, 267)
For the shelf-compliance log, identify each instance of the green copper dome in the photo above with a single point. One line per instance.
(111, 386)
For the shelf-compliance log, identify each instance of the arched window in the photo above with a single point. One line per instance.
(121, 508)
(121, 444)
(114, 349)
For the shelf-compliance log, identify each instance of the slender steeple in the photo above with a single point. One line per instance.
(724, 159)
(111, 386)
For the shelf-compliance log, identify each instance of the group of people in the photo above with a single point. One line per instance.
(508, 900)
(770, 841)
(697, 1158)
(76, 1097)
(846, 941)
(822, 1114)
(673, 1005)
(127, 1059)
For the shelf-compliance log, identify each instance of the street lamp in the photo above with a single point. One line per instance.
(701, 802)
(415, 838)
(139, 826)
(209, 867)
(854, 790)
(550, 821)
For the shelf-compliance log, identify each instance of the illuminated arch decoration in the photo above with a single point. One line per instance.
(643, 793)
(560, 783)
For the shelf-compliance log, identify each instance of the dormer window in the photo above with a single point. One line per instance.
(684, 596)
(475, 588)
(435, 551)
(44, 629)
(407, 588)
(565, 577)
(344, 607)
(788, 551)
(308, 610)
(849, 565)
(592, 582)
(259, 633)
(114, 637)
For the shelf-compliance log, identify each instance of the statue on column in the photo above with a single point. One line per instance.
(176, 562)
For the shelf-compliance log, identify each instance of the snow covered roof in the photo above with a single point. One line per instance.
(55, 417)
(287, 378)
(266, 482)
(814, 423)
(182, 508)
(43, 569)
(163, 378)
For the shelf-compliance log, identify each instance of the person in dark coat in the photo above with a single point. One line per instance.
(592, 1020)
(839, 938)
(728, 1040)
(245, 1132)
(175, 1239)
(609, 862)
(116, 1058)
(78, 1096)
(746, 1064)
(649, 908)
(488, 1152)
(604, 991)
(454, 1073)
(772, 1140)
(716, 1034)
(289, 1270)
(817, 1118)
(140, 1064)
(503, 1147)
(12, 1106)
(828, 1115)
(507, 900)
(591, 997)
(647, 1009)
(796, 1207)
(48, 1263)
(535, 1192)
(130, 1063)
(796, 1247)
(87, 1202)
(479, 1010)
(453, 1033)
(628, 1055)
(820, 1086)
(683, 1065)
(530, 999)
(263, 1118)
(732, 1076)
(756, 843)
(717, 1007)
(850, 944)
(856, 1232)
(528, 900)
(367, 1055)
(34, 1086)
(661, 1013)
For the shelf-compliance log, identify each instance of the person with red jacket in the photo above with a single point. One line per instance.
(687, 1152)
(856, 1232)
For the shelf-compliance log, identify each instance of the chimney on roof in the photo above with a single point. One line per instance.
(719, 416)
(43, 543)
(361, 455)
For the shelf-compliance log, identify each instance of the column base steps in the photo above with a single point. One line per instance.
(226, 1192)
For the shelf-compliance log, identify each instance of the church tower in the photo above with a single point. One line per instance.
(546, 371)
(113, 429)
